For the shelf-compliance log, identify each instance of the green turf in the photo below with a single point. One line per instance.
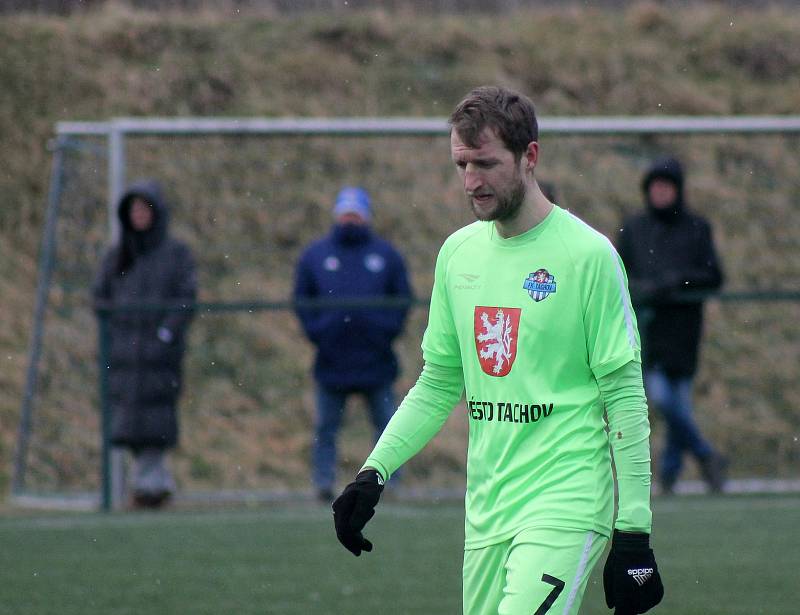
(725, 555)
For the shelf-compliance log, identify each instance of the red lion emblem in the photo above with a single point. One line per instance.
(496, 332)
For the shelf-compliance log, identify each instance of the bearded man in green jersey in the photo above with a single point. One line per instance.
(543, 342)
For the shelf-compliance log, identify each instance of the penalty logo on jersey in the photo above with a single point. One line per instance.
(540, 284)
(496, 330)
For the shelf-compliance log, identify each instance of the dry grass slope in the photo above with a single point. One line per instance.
(248, 212)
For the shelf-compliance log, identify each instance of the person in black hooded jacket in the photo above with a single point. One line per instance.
(146, 347)
(670, 258)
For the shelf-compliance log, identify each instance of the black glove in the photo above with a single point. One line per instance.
(354, 507)
(630, 577)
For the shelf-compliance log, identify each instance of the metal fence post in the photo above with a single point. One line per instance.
(46, 262)
(114, 465)
(104, 316)
(116, 175)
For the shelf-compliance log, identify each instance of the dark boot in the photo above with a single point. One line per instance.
(714, 469)
(325, 495)
(668, 485)
(150, 499)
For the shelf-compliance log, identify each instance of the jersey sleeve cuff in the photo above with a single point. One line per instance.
(374, 463)
(637, 518)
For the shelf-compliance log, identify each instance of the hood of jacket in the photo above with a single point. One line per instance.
(142, 241)
(671, 170)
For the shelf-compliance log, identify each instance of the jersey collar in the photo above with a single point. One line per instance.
(525, 237)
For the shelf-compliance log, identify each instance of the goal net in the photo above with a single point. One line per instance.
(248, 195)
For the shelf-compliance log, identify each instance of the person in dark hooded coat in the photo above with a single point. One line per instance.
(668, 252)
(146, 347)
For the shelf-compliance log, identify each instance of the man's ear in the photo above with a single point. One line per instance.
(531, 155)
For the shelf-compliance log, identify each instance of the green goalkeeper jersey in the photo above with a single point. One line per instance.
(533, 321)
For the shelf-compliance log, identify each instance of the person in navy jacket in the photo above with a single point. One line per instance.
(353, 343)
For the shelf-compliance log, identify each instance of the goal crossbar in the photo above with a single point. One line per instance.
(377, 126)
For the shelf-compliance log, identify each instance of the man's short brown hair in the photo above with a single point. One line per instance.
(509, 114)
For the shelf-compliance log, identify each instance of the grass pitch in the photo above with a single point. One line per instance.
(718, 555)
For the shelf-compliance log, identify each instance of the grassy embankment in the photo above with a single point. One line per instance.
(248, 207)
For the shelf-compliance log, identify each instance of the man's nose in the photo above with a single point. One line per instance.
(472, 179)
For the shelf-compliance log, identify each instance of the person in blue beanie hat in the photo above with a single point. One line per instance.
(353, 344)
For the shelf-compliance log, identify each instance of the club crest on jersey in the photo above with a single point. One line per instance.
(496, 332)
(540, 284)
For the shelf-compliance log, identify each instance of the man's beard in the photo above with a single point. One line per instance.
(507, 207)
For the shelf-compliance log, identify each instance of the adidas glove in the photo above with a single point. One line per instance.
(354, 507)
(630, 577)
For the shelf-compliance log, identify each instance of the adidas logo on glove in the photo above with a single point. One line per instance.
(640, 575)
